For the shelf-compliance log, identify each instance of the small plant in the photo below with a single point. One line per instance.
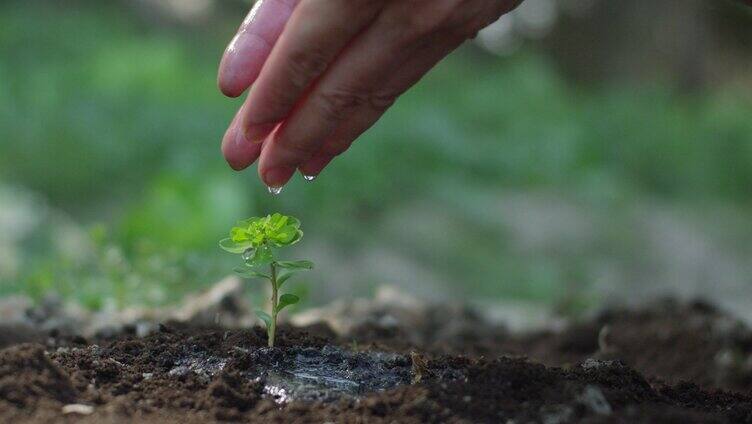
(256, 239)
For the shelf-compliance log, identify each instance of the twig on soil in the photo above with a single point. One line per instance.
(420, 367)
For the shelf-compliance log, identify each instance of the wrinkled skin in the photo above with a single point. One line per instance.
(319, 73)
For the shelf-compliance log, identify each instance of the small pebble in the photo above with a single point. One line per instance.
(77, 408)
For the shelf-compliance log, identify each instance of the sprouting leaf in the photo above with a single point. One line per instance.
(234, 247)
(238, 234)
(246, 223)
(287, 300)
(263, 316)
(249, 273)
(278, 221)
(298, 265)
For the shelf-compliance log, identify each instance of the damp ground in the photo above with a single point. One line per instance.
(667, 363)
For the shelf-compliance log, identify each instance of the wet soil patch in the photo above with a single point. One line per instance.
(191, 375)
(667, 341)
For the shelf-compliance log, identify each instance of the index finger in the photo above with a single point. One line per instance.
(251, 46)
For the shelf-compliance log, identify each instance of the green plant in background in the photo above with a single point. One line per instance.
(255, 239)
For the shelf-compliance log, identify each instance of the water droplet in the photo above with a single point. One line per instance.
(309, 177)
(248, 254)
(275, 190)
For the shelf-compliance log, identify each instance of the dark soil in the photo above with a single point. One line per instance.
(664, 364)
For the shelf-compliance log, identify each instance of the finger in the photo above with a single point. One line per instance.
(238, 152)
(350, 83)
(249, 49)
(364, 118)
(315, 34)
(409, 74)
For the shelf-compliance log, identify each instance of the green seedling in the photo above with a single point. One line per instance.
(256, 239)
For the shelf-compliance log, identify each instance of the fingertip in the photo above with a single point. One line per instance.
(236, 166)
(229, 90)
(276, 177)
(241, 63)
(238, 153)
(227, 84)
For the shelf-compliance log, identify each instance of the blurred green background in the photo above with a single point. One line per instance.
(573, 154)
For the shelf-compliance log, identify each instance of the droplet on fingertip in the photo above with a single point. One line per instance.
(274, 190)
(309, 177)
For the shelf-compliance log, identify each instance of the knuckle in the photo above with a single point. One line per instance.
(336, 104)
(305, 65)
(467, 30)
(300, 148)
(407, 22)
(419, 18)
(449, 12)
(462, 18)
(466, 22)
(276, 102)
(383, 100)
(493, 13)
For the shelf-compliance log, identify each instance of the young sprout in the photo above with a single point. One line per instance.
(256, 240)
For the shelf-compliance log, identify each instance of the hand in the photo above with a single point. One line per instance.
(324, 71)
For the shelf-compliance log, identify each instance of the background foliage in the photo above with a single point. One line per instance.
(498, 177)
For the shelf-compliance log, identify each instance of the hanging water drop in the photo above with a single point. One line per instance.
(275, 190)
(248, 254)
(309, 177)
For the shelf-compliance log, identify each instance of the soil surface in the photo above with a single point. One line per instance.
(662, 364)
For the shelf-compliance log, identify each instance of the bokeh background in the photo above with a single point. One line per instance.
(576, 153)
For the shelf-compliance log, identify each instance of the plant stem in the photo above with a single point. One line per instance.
(273, 326)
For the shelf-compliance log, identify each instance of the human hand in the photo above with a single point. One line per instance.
(322, 72)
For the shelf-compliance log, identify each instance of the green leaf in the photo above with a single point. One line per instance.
(284, 235)
(263, 316)
(261, 256)
(249, 273)
(287, 300)
(295, 222)
(284, 276)
(298, 265)
(233, 247)
(239, 235)
(247, 222)
(277, 221)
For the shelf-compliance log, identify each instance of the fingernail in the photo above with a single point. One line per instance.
(313, 166)
(230, 149)
(256, 133)
(276, 178)
(239, 139)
